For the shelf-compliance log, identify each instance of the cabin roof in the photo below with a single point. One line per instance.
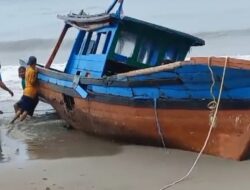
(92, 22)
(192, 39)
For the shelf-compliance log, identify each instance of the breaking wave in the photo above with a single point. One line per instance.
(31, 44)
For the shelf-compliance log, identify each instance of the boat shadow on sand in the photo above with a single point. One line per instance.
(46, 137)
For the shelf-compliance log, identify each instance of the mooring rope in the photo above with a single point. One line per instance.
(211, 105)
(213, 79)
(208, 135)
(158, 125)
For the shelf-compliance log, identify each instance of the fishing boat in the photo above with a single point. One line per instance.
(129, 80)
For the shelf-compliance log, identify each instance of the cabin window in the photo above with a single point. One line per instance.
(103, 42)
(126, 44)
(170, 55)
(92, 43)
(148, 53)
(84, 39)
(79, 45)
(182, 52)
(99, 46)
(84, 43)
(95, 43)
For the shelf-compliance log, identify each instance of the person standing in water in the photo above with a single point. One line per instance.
(21, 74)
(3, 86)
(28, 101)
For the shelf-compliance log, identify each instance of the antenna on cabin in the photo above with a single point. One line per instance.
(119, 10)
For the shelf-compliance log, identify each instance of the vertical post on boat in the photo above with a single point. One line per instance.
(119, 11)
(112, 6)
(58, 44)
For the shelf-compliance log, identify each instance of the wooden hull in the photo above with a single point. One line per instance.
(182, 128)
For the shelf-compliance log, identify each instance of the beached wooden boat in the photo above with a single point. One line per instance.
(126, 79)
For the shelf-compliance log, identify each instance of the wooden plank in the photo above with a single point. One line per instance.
(151, 70)
(64, 90)
(115, 91)
(116, 83)
(86, 19)
(220, 61)
(55, 74)
(48, 73)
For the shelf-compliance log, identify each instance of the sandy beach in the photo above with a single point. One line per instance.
(40, 155)
(133, 168)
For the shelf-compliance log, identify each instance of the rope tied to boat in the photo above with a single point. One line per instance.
(209, 132)
(158, 126)
(212, 104)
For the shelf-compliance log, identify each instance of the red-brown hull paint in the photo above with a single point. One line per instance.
(184, 129)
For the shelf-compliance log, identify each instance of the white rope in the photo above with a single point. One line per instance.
(211, 105)
(213, 80)
(158, 125)
(208, 135)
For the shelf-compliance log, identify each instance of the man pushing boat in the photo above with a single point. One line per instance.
(28, 101)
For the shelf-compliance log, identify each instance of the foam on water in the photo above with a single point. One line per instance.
(10, 77)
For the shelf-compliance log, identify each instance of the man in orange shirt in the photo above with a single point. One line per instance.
(28, 100)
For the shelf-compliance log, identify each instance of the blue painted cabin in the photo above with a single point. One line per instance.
(109, 45)
(126, 44)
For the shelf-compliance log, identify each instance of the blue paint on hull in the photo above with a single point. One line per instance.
(195, 84)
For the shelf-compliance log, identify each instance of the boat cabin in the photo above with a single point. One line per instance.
(116, 45)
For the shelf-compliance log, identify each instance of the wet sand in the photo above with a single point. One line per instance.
(42, 154)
